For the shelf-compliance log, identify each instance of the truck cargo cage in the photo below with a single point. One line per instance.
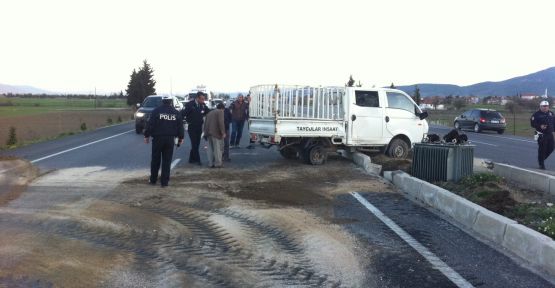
(292, 102)
(442, 162)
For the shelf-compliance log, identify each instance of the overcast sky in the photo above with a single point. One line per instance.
(77, 45)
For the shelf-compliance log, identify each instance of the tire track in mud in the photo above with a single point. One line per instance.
(222, 243)
(150, 248)
(261, 232)
(210, 254)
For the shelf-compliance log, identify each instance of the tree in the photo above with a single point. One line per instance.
(392, 86)
(513, 107)
(436, 100)
(141, 84)
(351, 82)
(359, 84)
(459, 103)
(416, 95)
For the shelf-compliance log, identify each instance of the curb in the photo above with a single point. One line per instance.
(535, 180)
(363, 161)
(528, 244)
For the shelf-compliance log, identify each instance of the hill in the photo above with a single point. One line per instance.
(534, 83)
(5, 89)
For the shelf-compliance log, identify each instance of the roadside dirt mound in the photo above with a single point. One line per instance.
(15, 174)
(391, 164)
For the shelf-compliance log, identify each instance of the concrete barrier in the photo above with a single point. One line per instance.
(365, 162)
(526, 178)
(524, 242)
(491, 225)
(455, 206)
(547, 257)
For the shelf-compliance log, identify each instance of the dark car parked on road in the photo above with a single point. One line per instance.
(143, 113)
(481, 119)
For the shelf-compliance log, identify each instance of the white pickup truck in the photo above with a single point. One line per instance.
(310, 122)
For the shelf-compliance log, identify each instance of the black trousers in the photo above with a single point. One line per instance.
(162, 151)
(194, 135)
(545, 147)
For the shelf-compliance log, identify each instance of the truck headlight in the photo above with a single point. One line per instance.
(139, 114)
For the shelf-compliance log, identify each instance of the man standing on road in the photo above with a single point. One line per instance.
(164, 125)
(214, 132)
(543, 121)
(194, 113)
(227, 122)
(238, 115)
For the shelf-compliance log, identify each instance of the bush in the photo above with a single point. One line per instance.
(83, 126)
(547, 227)
(479, 179)
(109, 121)
(12, 139)
(6, 103)
(119, 119)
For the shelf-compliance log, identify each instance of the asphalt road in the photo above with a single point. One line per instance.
(436, 253)
(508, 149)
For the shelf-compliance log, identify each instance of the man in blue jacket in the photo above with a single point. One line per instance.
(164, 125)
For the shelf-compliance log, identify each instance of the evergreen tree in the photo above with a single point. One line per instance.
(146, 75)
(392, 86)
(140, 85)
(132, 89)
(416, 95)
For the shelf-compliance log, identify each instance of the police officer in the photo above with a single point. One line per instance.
(164, 125)
(194, 113)
(543, 121)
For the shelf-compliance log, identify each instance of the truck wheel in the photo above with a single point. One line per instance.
(288, 153)
(398, 148)
(138, 129)
(317, 155)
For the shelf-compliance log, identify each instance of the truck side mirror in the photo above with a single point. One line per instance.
(423, 115)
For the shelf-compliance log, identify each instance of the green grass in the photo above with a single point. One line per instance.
(10, 107)
(492, 192)
(517, 124)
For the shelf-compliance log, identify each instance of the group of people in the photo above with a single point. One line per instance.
(166, 124)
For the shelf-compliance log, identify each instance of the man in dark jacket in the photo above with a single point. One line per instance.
(194, 113)
(227, 122)
(164, 125)
(543, 121)
(238, 116)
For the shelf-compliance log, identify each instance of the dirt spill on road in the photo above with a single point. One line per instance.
(269, 227)
(15, 174)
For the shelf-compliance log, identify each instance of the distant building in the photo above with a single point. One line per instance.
(432, 103)
(425, 106)
(497, 100)
(529, 96)
(472, 99)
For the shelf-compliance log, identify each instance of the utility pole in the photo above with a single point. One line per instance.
(94, 97)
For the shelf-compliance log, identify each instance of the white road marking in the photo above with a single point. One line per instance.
(174, 163)
(474, 141)
(431, 257)
(78, 147)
